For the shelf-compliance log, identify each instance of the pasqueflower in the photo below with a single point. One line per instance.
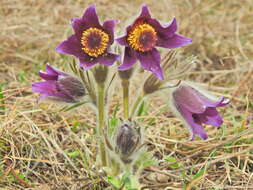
(59, 86)
(143, 36)
(196, 109)
(91, 41)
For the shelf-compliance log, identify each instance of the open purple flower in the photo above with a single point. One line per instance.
(91, 41)
(197, 109)
(141, 40)
(59, 86)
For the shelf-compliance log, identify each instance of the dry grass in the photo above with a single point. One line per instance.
(42, 149)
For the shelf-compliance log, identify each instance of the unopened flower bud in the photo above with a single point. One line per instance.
(128, 140)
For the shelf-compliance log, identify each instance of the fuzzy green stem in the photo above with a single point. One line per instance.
(137, 104)
(115, 167)
(125, 86)
(101, 121)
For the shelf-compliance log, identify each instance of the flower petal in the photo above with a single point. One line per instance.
(145, 12)
(151, 61)
(109, 26)
(47, 87)
(213, 103)
(54, 71)
(122, 40)
(172, 28)
(90, 17)
(163, 31)
(41, 98)
(188, 98)
(50, 89)
(173, 42)
(46, 76)
(87, 64)
(71, 46)
(211, 117)
(108, 59)
(194, 127)
(79, 26)
(129, 59)
(51, 70)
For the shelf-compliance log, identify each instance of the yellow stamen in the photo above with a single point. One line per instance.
(139, 31)
(102, 41)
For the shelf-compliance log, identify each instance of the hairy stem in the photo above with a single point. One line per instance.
(137, 103)
(125, 86)
(101, 121)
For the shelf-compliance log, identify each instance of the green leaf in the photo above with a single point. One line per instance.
(74, 154)
(142, 109)
(199, 174)
(74, 126)
(22, 76)
(128, 181)
(172, 159)
(68, 108)
(114, 181)
(145, 160)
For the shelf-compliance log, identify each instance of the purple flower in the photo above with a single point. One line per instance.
(59, 86)
(141, 40)
(197, 109)
(91, 41)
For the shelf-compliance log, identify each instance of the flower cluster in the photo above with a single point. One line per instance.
(91, 43)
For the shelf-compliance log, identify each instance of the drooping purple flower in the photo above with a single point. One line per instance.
(197, 109)
(59, 86)
(143, 36)
(91, 41)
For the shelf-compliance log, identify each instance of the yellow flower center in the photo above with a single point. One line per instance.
(142, 37)
(94, 41)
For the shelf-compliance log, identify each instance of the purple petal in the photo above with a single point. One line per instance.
(42, 97)
(151, 61)
(51, 70)
(108, 59)
(164, 32)
(122, 40)
(47, 87)
(199, 130)
(46, 76)
(174, 42)
(212, 103)
(172, 28)
(51, 73)
(129, 59)
(87, 64)
(109, 26)
(194, 127)
(71, 46)
(211, 117)
(79, 26)
(189, 98)
(145, 12)
(90, 17)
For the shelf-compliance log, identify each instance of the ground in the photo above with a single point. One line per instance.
(42, 148)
